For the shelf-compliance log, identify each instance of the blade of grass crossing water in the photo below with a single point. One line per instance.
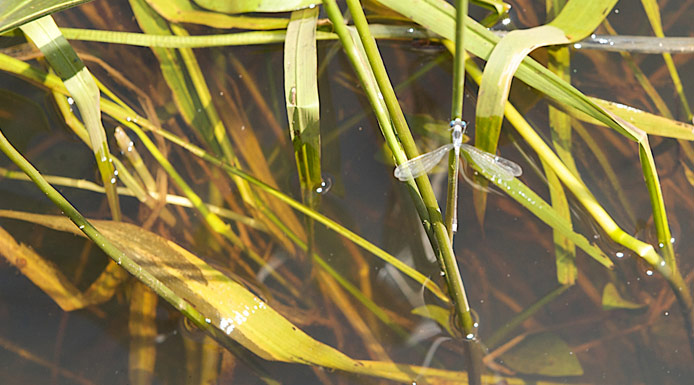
(14, 13)
(303, 105)
(653, 13)
(560, 126)
(301, 96)
(245, 6)
(564, 248)
(79, 82)
(183, 11)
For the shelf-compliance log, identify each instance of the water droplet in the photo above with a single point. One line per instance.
(649, 272)
(667, 313)
(410, 30)
(312, 6)
(113, 180)
(70, 100)
(81, 227)
(619, 254)
(325, 185)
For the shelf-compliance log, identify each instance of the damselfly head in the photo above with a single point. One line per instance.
(457, 129)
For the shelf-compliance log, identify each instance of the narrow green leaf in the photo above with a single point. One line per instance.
(497, 6)
(436, 313)
(653, 13)
(301, 97)
(183, 11)
(651, 123)
(576, 20)
(244, 6)
(14, 13)
(81, 85)
(533, 202)
(611, 299)
(564, 248)
(543, 354)
(497, 76)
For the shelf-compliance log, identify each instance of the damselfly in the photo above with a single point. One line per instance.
(497, 166)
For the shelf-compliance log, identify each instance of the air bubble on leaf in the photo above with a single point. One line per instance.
(325, 185)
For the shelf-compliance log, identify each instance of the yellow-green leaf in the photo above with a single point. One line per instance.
(437, 313)
(14, 13)
(233, 312)
(301, 97)
(611, 299)
(243, 6)
(543, 354)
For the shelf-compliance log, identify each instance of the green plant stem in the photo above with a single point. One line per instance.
(447, 258)
(456, 113)
(450, 266)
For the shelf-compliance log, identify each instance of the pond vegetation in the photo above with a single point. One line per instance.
(222, 205)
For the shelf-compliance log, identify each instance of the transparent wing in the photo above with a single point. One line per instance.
(422, 164)
(495, 165)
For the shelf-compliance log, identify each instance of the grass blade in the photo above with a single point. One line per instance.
(301, 96)
(80, 84)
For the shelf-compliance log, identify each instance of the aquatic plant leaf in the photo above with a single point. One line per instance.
(83, 89)
(183, 11)
(611, 299)
(441, 315)
(533, 202)
(564, 249)
(543, 354)
(14, 13)
(653, 13)
(497, 6)
(234, 312)
(301, 98)
(243, 6)
(575, 21)
(559, 62)
(652, 124)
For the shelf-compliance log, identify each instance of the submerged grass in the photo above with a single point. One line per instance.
(247, 215)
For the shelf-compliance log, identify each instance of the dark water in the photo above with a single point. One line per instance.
(507, 263)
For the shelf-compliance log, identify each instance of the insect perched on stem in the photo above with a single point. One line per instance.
(495, 165)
